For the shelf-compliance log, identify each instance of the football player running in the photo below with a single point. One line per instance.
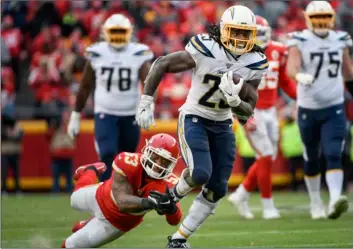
(318, 56)
(119, 204)
(205, 133)
(262, 130)
(114, 67)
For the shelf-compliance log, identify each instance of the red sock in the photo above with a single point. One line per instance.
(88, 178)
(249, 182)
(264, 180)
(63, 244)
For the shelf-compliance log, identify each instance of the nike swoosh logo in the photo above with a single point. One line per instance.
(165, 202)
(230, 94)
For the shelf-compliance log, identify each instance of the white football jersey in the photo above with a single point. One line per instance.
(321, 58)
(117, 90)
(212, 60)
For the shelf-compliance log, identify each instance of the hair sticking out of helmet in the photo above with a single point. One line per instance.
(320, 17)
(238, 29)
(117, 30)
(264, 30)
(160, 155)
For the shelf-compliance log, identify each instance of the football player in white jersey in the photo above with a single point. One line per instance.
(114, 66)
(318, 56)
(205, 122)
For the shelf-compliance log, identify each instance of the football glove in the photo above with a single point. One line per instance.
(304, 78)
(231, 90)
(73, 127)
(144, 115)
(164, 202)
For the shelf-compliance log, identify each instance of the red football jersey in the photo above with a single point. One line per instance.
(276, 76)
(129, 165)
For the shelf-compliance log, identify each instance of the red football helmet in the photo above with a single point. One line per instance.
(160, 156)
(263, 32)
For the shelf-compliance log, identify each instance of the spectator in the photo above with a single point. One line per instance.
(62, 149)
(5, 54)
(94, 18)
(11, 136)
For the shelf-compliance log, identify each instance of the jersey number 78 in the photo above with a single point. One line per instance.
(124, 82)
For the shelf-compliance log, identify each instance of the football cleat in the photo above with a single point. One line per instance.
(339, 207)
(241, 203)
(318, 211)
(270, 214)
(100, 167)
(78, 225)
(177, 243)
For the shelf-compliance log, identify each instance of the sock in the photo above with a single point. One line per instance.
(89, 177)
(313, 185)
(249, 182)
(334, 180)
(267, 203)
(182, 188)
(263, 174)
(63, 244)
(198, 213)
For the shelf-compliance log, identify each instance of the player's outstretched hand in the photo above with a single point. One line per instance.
(164, 202)
(230, 89)
(304, 78)
(73, 127)
(144, 115)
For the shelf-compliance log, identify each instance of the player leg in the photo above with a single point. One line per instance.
(309, 126)
(106, 137)
(129, 134)
(194, 144)
(333, 143)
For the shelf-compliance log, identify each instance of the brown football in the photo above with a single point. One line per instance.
(244, 90)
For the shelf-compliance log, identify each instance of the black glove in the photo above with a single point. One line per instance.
(164, 202)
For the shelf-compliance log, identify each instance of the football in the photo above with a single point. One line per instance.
(244, 90)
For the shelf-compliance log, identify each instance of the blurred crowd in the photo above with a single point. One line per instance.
(43, 45)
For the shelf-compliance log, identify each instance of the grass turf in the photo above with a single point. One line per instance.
(46, 220)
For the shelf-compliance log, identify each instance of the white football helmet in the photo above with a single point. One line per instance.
(238, 29)
(117, 30)
(320, 17)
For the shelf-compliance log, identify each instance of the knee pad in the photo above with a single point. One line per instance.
(333, 162)
(215, 195)
(311, 168)
(200, 176)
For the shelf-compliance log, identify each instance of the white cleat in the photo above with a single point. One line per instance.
(318, 212)
(271, 214)
(241, 203)
(339, 207)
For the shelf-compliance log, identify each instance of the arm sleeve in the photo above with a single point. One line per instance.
(174, 219)
(287, 84)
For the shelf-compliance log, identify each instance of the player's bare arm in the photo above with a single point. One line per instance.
(123, 195)
(247, 105)
(143, 72)
(293, 62)
(347, 70)
(86, 87)
(172, 63)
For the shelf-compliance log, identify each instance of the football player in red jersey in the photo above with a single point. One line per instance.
(262, 130)
(136, 187)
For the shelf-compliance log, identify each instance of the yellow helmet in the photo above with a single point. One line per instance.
(238, 29)
(320, 17)
(117, 30)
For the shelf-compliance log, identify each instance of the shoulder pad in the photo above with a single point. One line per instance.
(94, 50)
(140, 49)
(202, 44)
(257, 62)
(126, 163)
(343, 36)
(298, 35)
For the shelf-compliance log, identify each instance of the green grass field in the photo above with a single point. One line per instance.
(46, 220)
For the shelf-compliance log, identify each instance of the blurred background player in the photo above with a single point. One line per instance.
(114, 68)
(318, 56)
(205, 120)
(135, 188)
(262, 130)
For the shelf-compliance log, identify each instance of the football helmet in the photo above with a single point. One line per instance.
(238, 29)
(160, 155)
(264, 30)
(320, 17)
(117, 30)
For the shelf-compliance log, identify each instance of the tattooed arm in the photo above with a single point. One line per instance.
(247, 105)
(123, 195)
(171, 63)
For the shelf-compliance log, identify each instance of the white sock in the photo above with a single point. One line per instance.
(198, 213)
(267, 203)
(313, 185)
(182, 187)
(334, 180)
